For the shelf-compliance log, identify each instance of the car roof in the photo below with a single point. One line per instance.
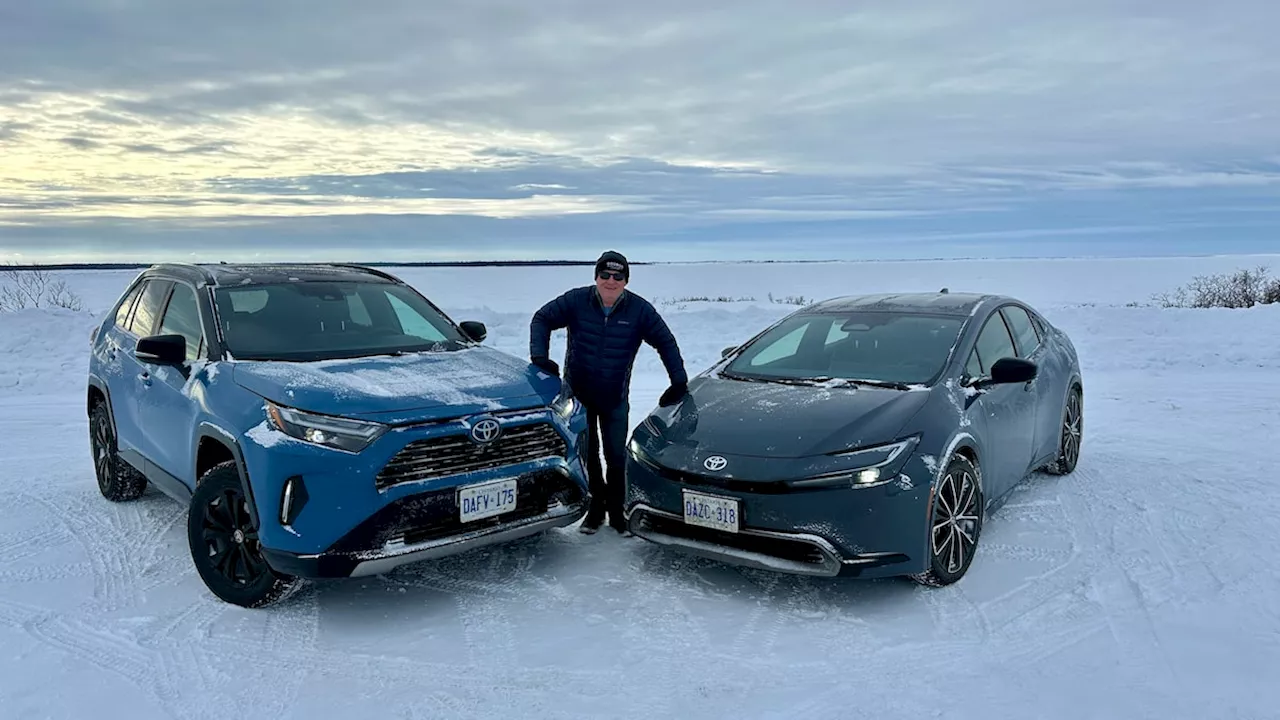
(247, 273)
(942, 303)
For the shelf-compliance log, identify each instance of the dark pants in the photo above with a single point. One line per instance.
(607, 429)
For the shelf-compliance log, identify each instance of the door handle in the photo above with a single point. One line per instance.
(145, 377)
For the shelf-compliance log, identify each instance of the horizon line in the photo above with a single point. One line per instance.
(10, 265)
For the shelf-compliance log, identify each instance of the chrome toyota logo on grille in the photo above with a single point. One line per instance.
(715, 463)
(486, 430)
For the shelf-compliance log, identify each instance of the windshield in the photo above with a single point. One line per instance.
(329, 320)
(877, 347)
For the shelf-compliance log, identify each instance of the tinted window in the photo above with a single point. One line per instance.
(182, 317)
(973, 368)
(908, 348)
(144, 318)
(126, 306)
(318, 320)
(994, 343)
(1024, 333)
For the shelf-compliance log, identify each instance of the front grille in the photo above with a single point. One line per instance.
(434, 514)
(755, 487)
(456, 453)
(793, 550)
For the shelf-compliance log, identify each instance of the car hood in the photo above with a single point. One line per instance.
(754, 419)
(406, 388)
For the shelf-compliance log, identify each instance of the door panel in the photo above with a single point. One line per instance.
(1009, 412)
(169, 412)
(123, 376)
(1048, 386)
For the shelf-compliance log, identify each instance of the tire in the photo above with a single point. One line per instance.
(1072, 435)
(951, 546)
(224, 544)
(118, 481)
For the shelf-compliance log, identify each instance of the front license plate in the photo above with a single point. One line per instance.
(476, 502)
(712, 511)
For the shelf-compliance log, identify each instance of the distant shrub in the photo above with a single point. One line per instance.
(717, 298)
(1271, 293)
(35, 288)
(789, 299)
(1241, 289)
(705, 298)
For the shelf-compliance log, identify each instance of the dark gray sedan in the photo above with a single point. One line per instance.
(866, 436)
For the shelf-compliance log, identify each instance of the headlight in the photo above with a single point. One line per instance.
(327, 430)
(564, 405)
(867, 466)
(639, 453)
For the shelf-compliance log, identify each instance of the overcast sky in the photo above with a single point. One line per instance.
(142, 130)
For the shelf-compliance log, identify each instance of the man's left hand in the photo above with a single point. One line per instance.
(673, 394)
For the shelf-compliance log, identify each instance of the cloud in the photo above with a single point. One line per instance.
(661, 119)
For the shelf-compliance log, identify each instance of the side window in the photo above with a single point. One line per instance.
(973, 368)
(144, 318)
(1024, 333)
(182, 317)
(786, 346)
(126, 306)
(994, 343)
(412, 323)
(360, 313)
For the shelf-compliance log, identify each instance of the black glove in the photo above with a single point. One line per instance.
(547, 365)
(673, 394)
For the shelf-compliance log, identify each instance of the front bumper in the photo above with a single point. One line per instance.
(426, 526)
(325, 513)
(867, 532)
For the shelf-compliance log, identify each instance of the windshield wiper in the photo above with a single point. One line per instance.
(823, 380)
(893, 384)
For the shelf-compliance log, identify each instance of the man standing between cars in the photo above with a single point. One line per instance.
(606, 325)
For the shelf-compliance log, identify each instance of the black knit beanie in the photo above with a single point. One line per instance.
(615, 261)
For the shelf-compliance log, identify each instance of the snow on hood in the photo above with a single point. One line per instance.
(472, 380)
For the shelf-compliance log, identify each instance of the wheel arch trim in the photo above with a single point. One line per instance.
(220, 435)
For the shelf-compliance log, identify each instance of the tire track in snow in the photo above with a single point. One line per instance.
(1114, 589)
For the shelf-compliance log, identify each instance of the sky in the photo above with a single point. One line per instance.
(147, 130)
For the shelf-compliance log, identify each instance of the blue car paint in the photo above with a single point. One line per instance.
(163, 414)
(771, 435)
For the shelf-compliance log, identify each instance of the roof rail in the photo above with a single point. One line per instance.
(202, 272)
(373, 271)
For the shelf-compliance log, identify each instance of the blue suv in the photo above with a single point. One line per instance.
(323, 421)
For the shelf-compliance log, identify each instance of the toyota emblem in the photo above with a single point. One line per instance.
(486, 431)
(715, 463)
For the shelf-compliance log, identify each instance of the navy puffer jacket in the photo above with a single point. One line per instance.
(602, 349)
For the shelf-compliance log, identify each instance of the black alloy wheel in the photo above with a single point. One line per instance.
(225, 546)
(117, 480)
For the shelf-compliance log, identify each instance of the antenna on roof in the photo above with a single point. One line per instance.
(944, 291)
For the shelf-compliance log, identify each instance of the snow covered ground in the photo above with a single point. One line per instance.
(1143, 586)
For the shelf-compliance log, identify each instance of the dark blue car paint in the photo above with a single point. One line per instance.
(772, 435)
(164, 415)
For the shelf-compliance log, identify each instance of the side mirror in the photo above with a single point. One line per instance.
(727, 351)
(474, 330)
(1012, 370)
(162, 350)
